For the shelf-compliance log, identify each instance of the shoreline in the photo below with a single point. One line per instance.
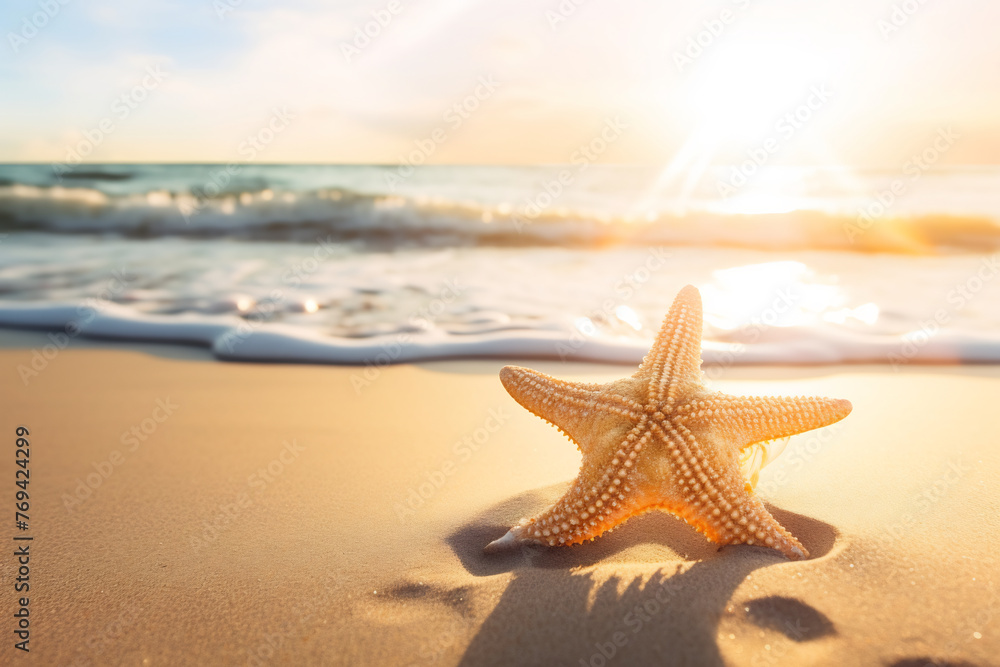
(717, 362)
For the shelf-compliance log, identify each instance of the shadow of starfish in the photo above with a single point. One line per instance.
(551, 615)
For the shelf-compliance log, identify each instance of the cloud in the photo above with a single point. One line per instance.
(559, 78)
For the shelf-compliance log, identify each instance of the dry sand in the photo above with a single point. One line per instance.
(275, 517)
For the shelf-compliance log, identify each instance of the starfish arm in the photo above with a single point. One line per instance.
(706, 489)
(578, 409)
(572, 520)
(750, 524)
(745, 420)
(674, 360)
(605, 494)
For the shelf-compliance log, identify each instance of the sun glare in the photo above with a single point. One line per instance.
(740, 95)
(745, 89)
(758, 202)
(629, 317)
(777, 294)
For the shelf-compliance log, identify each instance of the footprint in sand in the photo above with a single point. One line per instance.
(793, 618)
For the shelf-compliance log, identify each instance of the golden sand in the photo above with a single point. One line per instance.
(278, 516)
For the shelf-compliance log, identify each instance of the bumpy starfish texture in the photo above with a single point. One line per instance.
(661, 440)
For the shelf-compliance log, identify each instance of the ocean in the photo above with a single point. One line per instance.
(384, 264)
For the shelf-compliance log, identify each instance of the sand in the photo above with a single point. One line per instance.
(298, 515)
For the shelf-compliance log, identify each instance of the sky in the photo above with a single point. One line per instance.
(863, 83)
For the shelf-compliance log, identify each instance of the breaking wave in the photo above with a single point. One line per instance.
(381, 220)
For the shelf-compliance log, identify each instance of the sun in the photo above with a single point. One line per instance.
(734, 99)
(743, 88)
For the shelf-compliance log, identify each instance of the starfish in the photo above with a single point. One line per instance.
(661, 439)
